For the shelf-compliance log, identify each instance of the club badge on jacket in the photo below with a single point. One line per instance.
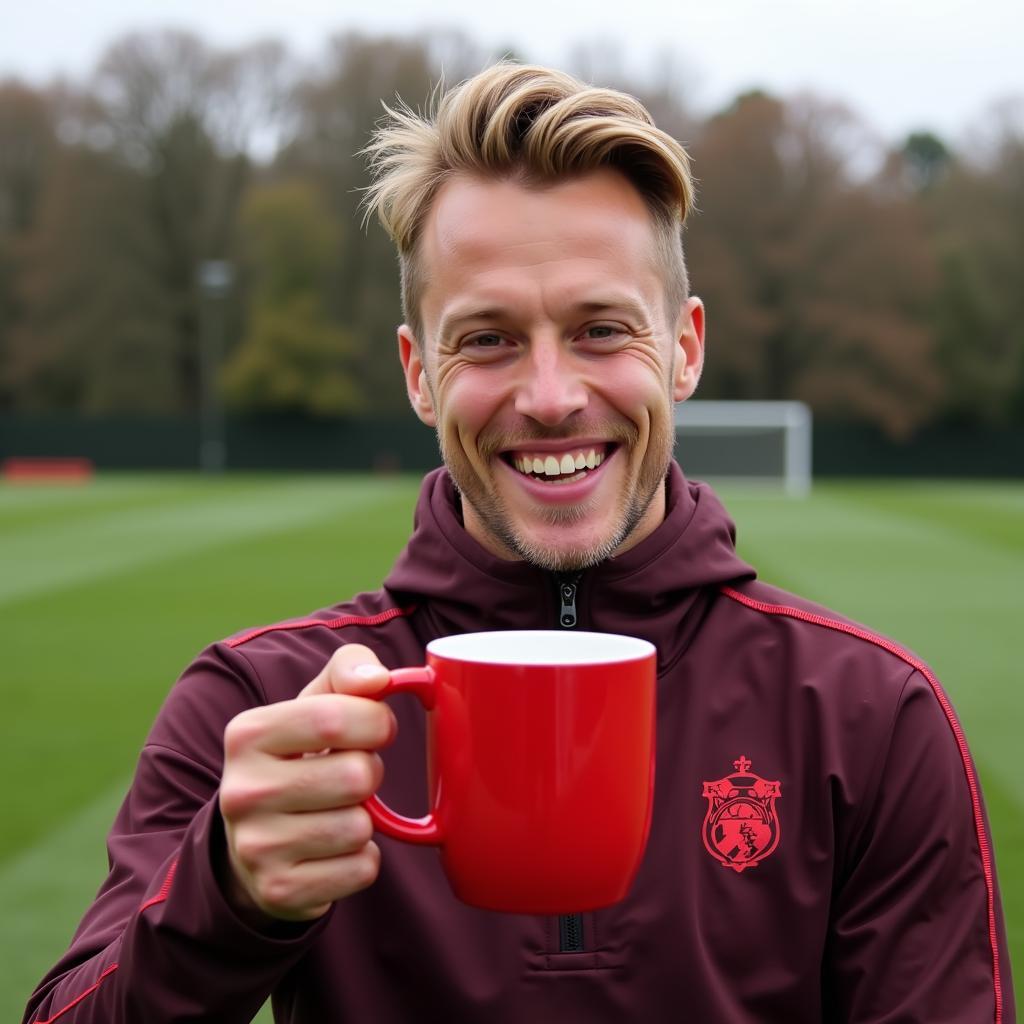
(741, 827)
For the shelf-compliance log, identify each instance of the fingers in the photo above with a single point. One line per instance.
(317, 835)
(352, 669)
(298, 836)
(304, 891)
(295, 865)
(295, 776)
(328, 781)
(316, 722)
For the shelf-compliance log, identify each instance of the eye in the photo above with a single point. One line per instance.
(486, 345)
(602, 332)
(489, 340)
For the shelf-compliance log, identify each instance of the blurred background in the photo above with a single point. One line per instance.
(186, 284)
(859, 241)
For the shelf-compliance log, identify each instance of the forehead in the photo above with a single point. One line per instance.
(502, 240)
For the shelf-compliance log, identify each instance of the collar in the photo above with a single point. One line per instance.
(647, 591)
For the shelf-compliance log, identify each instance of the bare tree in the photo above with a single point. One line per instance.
(337, 108)
(977, 214)
(161, 138)
(27, 145)
(818, 282)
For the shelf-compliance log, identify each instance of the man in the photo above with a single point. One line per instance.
(818, 849)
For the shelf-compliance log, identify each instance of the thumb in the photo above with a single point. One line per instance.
(352, 669)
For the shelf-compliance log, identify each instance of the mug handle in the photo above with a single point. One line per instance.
(423, 831)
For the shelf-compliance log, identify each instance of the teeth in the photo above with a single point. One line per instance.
(553, 465)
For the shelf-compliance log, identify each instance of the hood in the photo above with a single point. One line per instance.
(647, 591)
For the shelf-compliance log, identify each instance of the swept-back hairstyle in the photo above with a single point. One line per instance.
(532, 124)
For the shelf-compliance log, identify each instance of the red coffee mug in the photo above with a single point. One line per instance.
(540, 766)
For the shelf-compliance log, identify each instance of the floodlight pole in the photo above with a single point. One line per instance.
(215, 277)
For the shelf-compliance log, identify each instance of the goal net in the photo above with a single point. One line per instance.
(768, 442)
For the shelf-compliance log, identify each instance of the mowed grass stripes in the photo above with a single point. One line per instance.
(108, 590)
(104, 605)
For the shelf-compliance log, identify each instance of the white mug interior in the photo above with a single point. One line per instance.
(541, 647)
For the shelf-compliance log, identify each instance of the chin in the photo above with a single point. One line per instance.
(572, 553)
(560, 539)
(566, 561)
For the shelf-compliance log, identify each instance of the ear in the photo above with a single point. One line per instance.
(689, 349)
(416, 386)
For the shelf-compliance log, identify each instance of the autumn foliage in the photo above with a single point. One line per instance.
(878, 283)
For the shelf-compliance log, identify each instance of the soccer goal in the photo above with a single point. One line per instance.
(768, 442)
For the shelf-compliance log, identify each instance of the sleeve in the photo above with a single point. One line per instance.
(917, 935)
(160, 942)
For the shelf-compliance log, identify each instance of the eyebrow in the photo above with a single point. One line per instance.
(450, 321)
(613, 303)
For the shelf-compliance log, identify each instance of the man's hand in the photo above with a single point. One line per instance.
(295, 776)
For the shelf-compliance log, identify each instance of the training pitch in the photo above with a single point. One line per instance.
(108, 589)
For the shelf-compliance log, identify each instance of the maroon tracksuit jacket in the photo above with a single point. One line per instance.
(818, 852)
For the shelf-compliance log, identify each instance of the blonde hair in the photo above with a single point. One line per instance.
(534, 124)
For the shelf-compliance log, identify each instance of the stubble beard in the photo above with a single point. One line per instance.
(498, 522)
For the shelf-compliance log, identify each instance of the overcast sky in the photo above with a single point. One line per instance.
(901, 64)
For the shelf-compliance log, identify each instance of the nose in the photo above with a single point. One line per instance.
(551, 388)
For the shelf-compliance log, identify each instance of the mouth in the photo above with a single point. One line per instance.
(568, 464)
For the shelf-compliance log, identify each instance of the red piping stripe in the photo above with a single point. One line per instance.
(344, 620)
(961, 742)
(74, 1002)
(164, 889)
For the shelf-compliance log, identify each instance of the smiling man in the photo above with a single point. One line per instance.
(818, 848)
(550, 361)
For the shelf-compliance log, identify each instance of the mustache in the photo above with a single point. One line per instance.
(494, 440)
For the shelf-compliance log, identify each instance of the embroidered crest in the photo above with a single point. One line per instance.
(741, 827)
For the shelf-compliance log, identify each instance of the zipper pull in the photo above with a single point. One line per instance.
(567, 590)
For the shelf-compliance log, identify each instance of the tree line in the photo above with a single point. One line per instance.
(880, 283)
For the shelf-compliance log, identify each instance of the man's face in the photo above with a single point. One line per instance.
(549, 364)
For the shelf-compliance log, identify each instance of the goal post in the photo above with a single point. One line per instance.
(767, 442)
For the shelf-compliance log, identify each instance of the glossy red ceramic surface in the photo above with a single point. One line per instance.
(541, 778)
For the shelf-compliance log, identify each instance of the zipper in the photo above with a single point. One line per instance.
(567, 587)
(570, 926)
(570, 933)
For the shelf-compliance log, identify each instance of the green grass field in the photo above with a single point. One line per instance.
(107, 590)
